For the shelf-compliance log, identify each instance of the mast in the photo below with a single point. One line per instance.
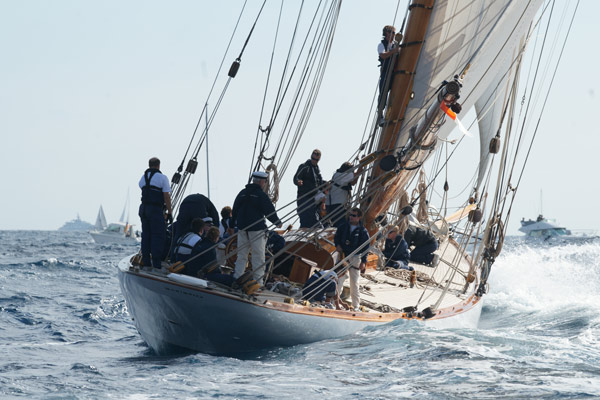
(400, 94)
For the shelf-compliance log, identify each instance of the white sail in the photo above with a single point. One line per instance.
(481, 35)
(125, 213)
(100, 220)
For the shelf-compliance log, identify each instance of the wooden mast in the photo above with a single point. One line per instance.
(386, 186)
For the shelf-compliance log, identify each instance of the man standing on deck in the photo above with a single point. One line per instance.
(309, 181)
(352, 238)
(156, 196)
(250, 208)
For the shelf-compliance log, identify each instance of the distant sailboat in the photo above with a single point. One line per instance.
(116, 232)
(100, 220)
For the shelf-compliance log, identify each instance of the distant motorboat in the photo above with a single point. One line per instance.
(113, 233)
(549, 231)
(542, 228)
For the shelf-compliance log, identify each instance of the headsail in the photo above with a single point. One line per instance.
(100, 220)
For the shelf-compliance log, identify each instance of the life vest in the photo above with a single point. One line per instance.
(152, 195)
(186, 244)
(382, 62)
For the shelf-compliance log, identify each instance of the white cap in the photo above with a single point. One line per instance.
(260, 175)
(207, 219)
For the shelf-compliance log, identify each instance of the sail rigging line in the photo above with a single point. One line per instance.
(267, 130)
(545, 102)
(178, 192)
(325, 41)
(214, 83)
(529, 103)
(281, 95)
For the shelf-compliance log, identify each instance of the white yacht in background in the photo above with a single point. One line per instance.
(542, 228)
(550, 231)
(76, 225)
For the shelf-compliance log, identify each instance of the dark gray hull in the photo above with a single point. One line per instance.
(171, 316)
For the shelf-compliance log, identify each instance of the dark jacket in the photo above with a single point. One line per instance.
(310, 175)
(207, 257)
(195, 206)
(415, 236)
(250, 208)
(350, 241)
(397, 249)
(317, 288)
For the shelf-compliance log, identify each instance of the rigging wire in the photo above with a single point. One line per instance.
(214, 82)
(178, 191)
(545, 100)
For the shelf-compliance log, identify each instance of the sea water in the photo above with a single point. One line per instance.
(65, 334)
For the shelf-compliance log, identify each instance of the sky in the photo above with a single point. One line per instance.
(89, 91)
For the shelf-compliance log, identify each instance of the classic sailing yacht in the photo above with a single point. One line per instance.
(454, 55)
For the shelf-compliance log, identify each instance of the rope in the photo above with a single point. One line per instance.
(422, 188)
(274, 191)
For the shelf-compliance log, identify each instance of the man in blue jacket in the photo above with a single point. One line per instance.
(352, 237)
(396, 251)
(250, 208)
(309, 181)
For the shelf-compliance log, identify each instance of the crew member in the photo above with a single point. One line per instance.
(396, 251)
(386, 49)
(339, 194)
(309, 181)
(424, 243)
(156, 197)
(250, 208)
(352, 237)
(188, 244)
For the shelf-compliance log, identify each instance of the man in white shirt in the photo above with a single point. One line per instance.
(156, 196)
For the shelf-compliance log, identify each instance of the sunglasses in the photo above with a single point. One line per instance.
(315, 159)
(354, 215)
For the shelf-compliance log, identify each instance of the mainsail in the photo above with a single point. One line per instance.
(476, 43)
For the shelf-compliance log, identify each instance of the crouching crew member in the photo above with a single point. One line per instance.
(350, 237)
(156, 196)
(396, 251)
(323, 287)
(250, 208)
(424, 243)
(188, 244)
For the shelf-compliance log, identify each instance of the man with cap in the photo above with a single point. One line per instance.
(156, 196)
(250, 208)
